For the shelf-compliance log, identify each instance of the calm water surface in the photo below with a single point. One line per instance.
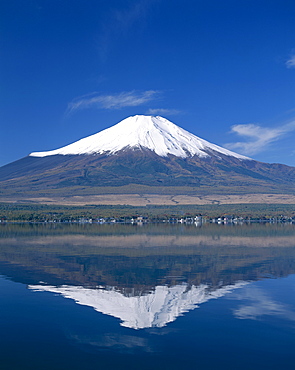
(147, 297)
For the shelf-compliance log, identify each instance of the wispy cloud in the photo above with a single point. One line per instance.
(127, 17)
(120, 21)
(290, 63)
(257, 138)
(163, 111)
(112, 101)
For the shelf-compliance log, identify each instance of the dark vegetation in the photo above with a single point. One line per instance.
(42, 213)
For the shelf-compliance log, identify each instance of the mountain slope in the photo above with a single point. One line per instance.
(142, 151)
(154, 133)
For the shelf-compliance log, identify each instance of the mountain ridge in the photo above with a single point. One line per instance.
(154, 133)
(207, 170)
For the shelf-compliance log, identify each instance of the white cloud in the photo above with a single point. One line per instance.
(257, 138)
(163, 111)
(112, 101)
(290, 63)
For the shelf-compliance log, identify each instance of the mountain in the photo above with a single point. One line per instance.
(156, 134)
(142, 154)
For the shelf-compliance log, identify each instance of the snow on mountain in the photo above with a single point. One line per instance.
(155, 309)
(154, 133)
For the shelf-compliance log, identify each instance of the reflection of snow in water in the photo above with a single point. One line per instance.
(155, 309)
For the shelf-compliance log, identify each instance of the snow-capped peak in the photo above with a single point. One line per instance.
(154, 133)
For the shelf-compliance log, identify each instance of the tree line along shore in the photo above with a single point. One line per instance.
(10, 212)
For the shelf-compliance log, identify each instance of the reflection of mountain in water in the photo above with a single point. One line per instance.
(129, 257)
(155, 309)
(160, 272)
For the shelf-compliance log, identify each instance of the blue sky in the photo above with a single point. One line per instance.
(223, 70)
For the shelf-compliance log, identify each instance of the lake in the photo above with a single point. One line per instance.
(147, 296)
